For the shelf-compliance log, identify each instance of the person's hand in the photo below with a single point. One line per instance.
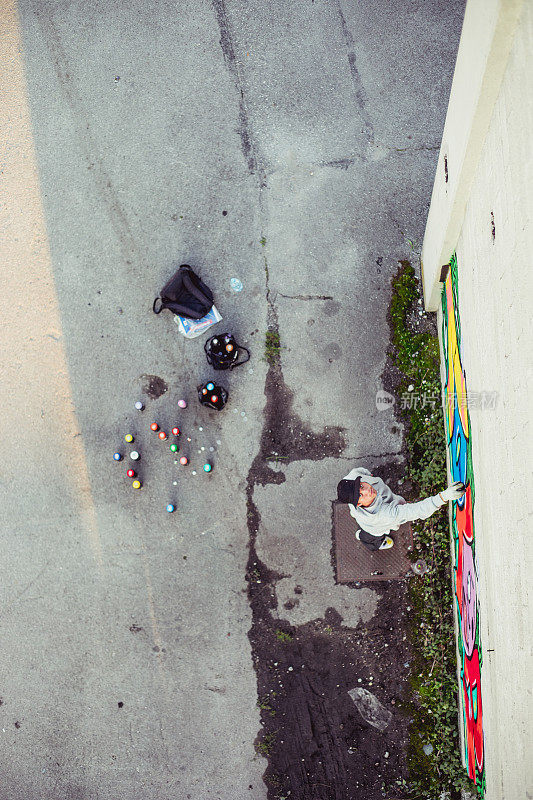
(453, 492)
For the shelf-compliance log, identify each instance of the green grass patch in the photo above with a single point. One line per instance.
(283, 637)
(434, 677)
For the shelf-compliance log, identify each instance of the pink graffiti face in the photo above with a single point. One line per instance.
(468, 600)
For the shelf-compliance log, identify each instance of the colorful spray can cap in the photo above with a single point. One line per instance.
(214, 398)
(134, 455)
(137, 484)
(129, 438)
(117, 456)
(170, 508)
(176, 431)
(139, 406)
(162, 435)
(130, 473)
(174, 448)
(210, 387)
(184, 461)
(207, 467)
(182, 403)
(154, 426)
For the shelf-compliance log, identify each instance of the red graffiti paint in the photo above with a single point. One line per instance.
(473, 706)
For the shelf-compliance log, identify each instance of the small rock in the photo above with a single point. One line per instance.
(371, 710)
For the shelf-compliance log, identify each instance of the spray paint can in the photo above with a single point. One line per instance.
(136, 484)
(134, 455)
(207, 467)
(129, 438)
(139, 406)
(176, 431)
(182, 403)
(117, 456)
(184, 461)
(170, 508)
(174, 448)
(130, 473)
(162, 435)
(154, 427)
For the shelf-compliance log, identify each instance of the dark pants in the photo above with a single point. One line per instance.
(369, 541)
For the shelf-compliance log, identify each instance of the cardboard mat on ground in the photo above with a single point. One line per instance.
(355, 562)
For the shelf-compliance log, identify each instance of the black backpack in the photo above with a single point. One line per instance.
(185, 294)
(212, 395)
(223, 352)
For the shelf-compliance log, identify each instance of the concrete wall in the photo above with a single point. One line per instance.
(494, 246)
(486, 39)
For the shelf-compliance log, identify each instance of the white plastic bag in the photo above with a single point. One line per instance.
(191, 328)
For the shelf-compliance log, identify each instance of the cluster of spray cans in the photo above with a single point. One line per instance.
(135, 456)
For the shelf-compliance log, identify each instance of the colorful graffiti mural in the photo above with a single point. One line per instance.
(465, 567)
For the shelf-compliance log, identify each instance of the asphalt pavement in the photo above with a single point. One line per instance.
(290, 145)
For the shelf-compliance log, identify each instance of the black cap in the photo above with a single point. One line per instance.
(348, 491)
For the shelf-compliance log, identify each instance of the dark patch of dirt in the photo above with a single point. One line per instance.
(154, 386)
(285, 437)
(317, 744)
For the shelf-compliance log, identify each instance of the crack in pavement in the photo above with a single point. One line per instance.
(249, 146)
(360, 93)
(305, 296)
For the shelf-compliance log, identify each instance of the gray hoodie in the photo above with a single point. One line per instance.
(388, 511)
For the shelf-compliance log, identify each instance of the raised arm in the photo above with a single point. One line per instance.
(408, 512)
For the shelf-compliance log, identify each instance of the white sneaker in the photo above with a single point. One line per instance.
(388, 542)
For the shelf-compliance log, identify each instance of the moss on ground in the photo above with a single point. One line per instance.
(433, 706)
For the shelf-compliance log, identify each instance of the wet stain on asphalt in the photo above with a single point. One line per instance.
(316, 743)
(154, 386)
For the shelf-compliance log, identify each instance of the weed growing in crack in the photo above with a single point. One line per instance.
(265, 746)
(262, 241)
(264, 703)
(283, 637)
(413, 244)
(272, 347)
(276, 458)
(434, 677)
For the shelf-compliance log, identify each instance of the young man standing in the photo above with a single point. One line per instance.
(378, 511)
